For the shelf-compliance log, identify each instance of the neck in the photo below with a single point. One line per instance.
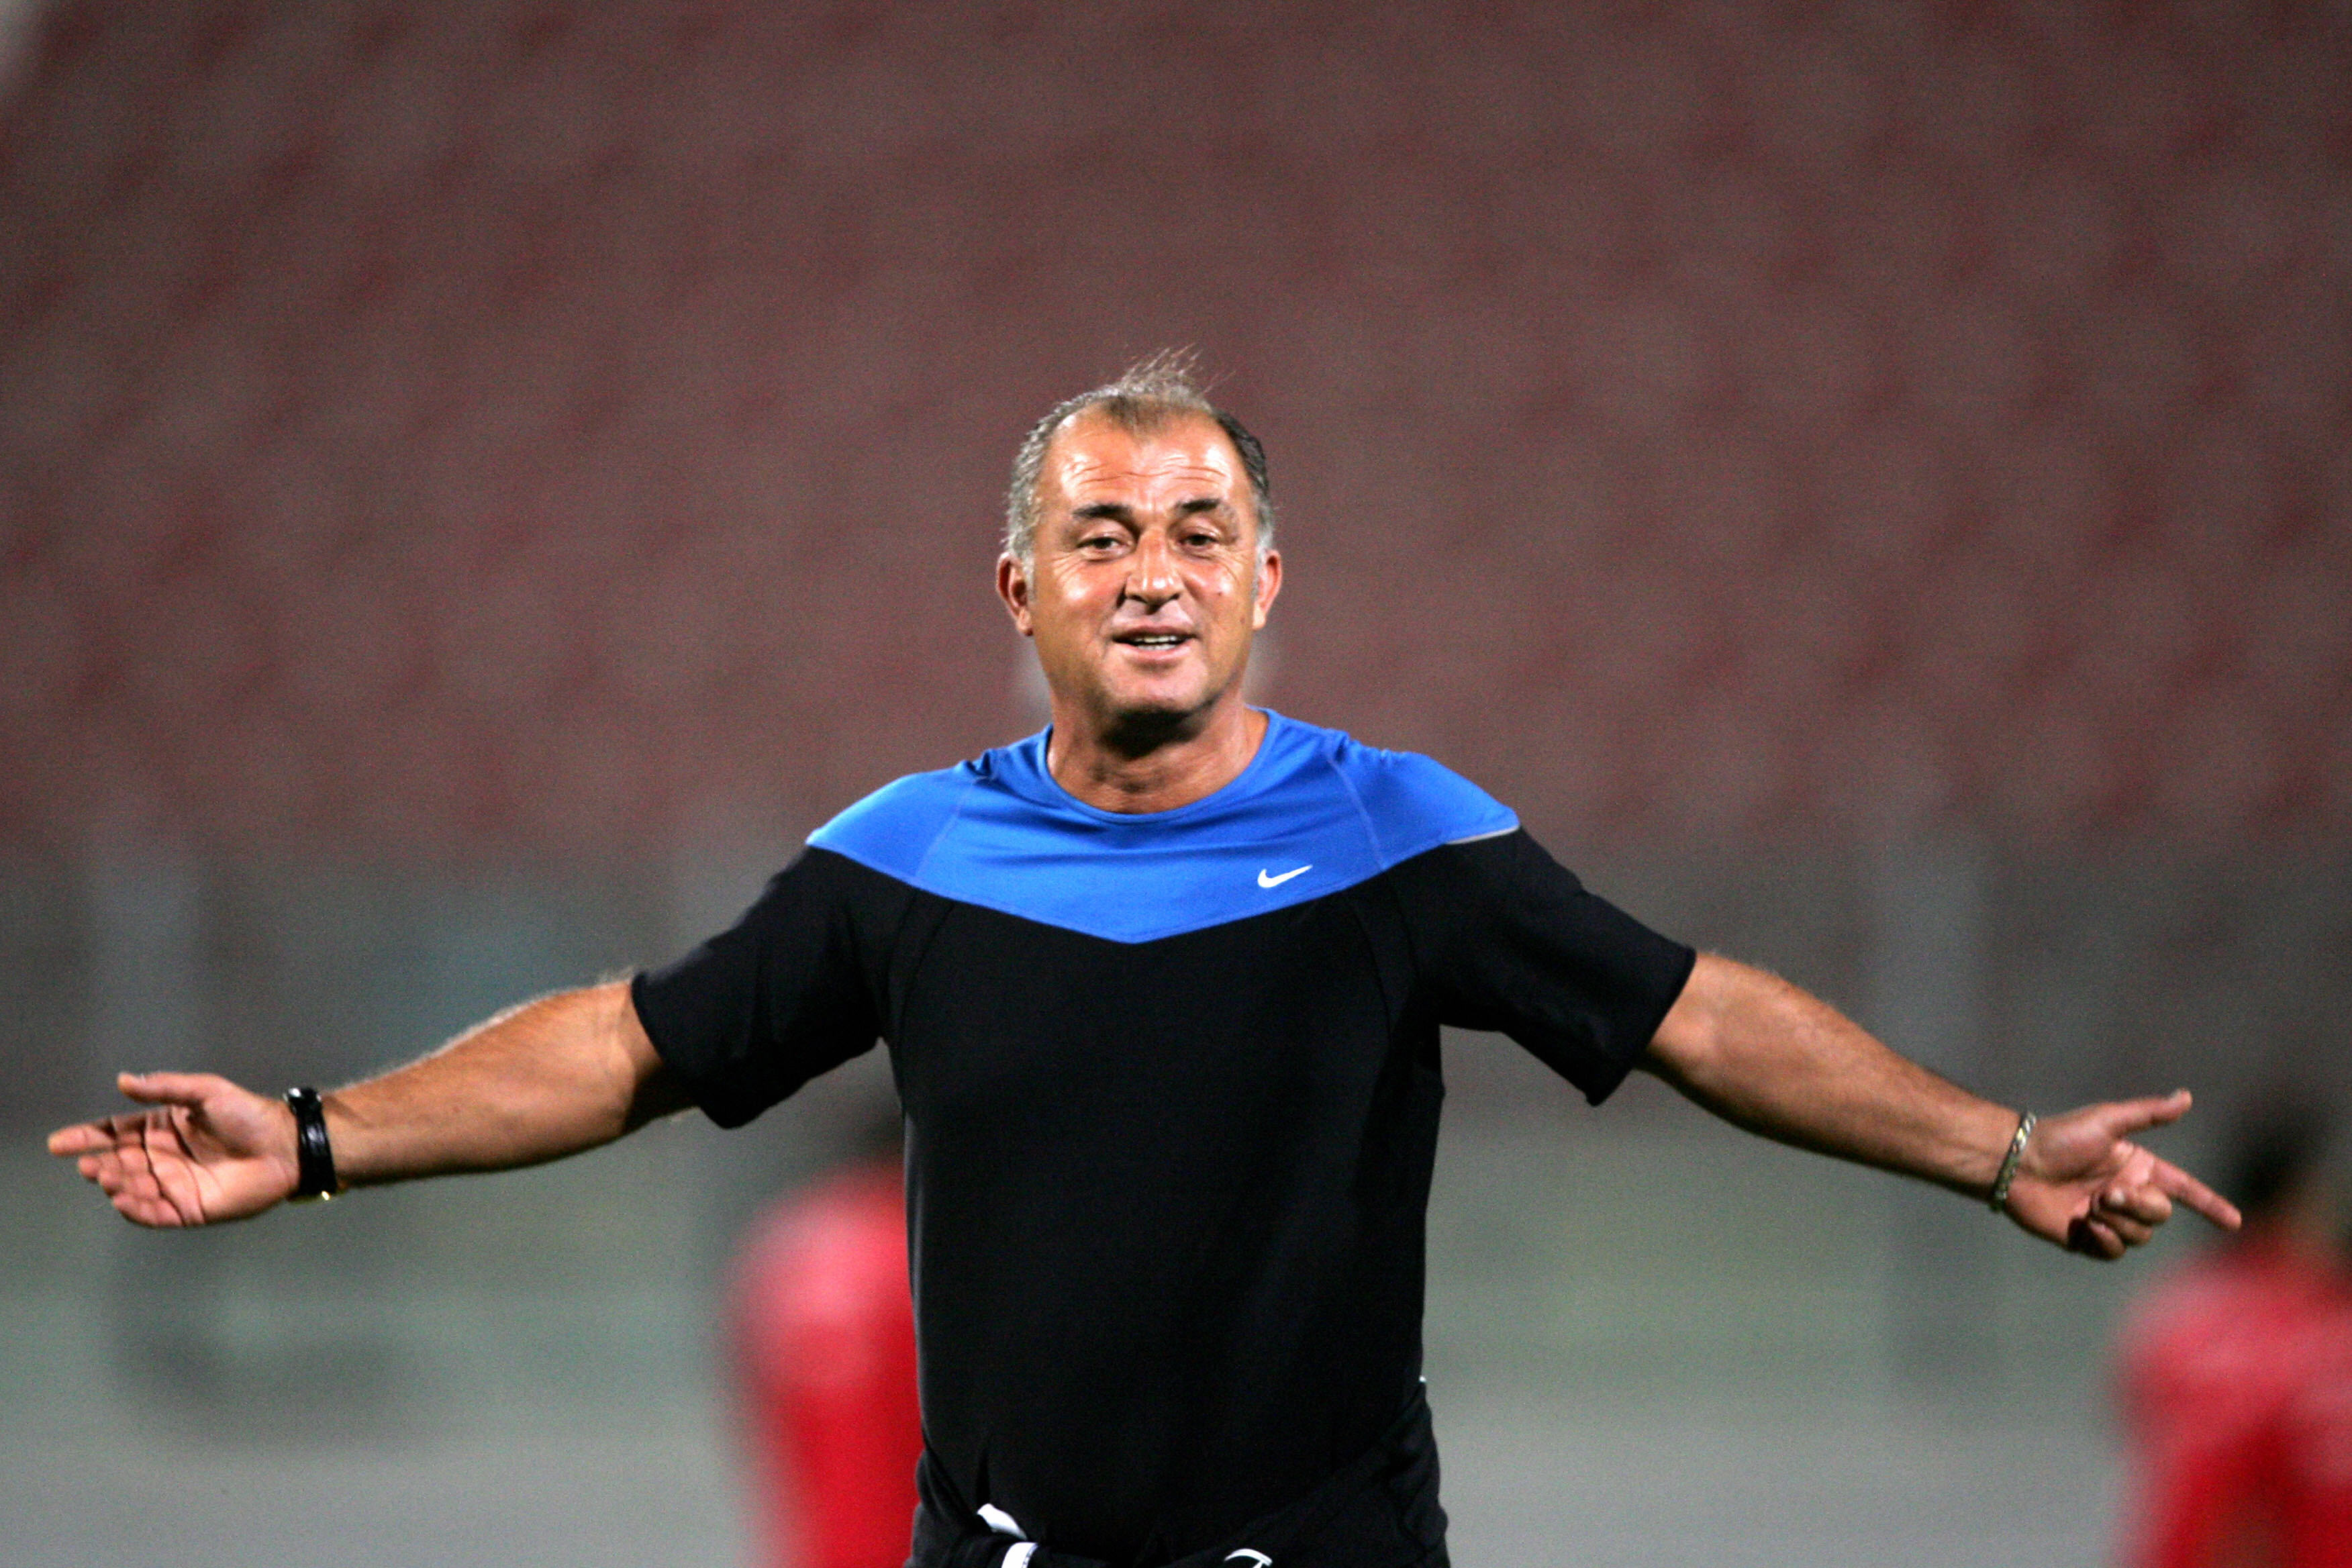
(1126, 765)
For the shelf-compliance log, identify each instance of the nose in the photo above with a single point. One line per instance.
(1152, 578)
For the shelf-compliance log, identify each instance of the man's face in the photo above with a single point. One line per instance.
(1144, 583)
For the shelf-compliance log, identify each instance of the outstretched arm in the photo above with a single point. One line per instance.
(550, 1077)
(1761, 1053)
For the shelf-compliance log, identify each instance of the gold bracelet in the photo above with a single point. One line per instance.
(2008, 1163)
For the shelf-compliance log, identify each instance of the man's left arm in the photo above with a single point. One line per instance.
(1768, 1056)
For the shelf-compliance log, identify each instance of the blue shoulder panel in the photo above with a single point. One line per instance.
(1314, 813)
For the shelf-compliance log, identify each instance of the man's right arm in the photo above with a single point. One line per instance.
(552, 1078)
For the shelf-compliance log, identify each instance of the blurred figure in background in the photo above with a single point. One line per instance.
(2237, 1373)
(823, 1331)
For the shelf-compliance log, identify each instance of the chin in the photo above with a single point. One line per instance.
(1158, 710)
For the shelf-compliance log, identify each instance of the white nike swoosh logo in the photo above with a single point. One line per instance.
(1266, 881)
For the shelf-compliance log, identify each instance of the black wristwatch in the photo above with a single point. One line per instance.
(314, 1157)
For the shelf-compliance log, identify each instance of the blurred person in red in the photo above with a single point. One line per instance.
(2237, 1375)
(823, 1330)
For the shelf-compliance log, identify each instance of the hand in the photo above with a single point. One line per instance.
(210, 1151)
(2081, 1183)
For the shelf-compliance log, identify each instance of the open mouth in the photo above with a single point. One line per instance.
(1157, 642)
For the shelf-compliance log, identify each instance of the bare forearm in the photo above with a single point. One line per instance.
(1761, 1053)
(552, 1078)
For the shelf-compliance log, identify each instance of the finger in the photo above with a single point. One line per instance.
(97, 1137)
(132, 1185)
(145, 1208)
(2126, 1117)
(103, 1168)
(2092, 1238)
(161, 1197)
(170, 1088)
(2188, 1189)
(83, 1138)
(135, 1161)
(2129, 1231)
(123, 1186)
(179, 1195)
(174, 1181)
(2144, 1203)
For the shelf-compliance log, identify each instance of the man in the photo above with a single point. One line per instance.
(2236, 1374)
(1162, 987)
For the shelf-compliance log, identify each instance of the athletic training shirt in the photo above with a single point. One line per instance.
(1172, 1090)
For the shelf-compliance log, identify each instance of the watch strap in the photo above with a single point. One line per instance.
(314, 1157)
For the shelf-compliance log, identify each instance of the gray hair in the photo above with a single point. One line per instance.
(1145, 397)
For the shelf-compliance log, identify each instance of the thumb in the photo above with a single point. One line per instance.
(2128, 1117)
(189, 1089)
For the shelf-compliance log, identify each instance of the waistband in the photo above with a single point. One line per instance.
(1379, 1511)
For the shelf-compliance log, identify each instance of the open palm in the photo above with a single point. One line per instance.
(207, 1152)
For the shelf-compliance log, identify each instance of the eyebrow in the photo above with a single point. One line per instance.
(1113, 512)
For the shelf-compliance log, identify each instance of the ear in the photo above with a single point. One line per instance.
(1012, 587)
(1269, 583)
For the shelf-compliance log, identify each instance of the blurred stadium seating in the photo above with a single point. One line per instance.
(550, 428)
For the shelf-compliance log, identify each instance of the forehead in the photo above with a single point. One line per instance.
(1093, 454)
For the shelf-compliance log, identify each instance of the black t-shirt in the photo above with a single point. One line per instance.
(1172, 1090)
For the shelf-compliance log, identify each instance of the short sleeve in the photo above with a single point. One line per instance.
(1505, 938)
(787, 993)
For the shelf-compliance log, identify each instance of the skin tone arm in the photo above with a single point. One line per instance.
(550, 1077)
(1768, 1056)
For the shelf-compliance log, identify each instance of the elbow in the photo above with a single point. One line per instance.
(1687, 1049)
(1705, 1045)
(643, 1086)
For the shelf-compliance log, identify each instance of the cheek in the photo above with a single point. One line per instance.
(1065, 594)
(1235, 593)
(1069, 612)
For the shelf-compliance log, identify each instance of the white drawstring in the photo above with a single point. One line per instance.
(1003, 1523)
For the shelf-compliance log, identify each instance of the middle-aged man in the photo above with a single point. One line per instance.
(1162, 987)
